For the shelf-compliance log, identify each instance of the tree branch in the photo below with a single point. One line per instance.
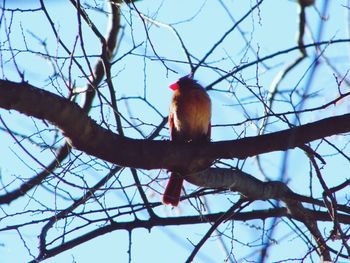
(86, 135)
(254, 189)
(182, 220)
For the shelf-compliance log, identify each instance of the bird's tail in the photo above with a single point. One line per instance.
(173, 189)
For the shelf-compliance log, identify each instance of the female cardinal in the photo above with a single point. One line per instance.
(189, 121)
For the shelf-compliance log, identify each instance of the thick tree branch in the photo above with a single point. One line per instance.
(254, 189)
(108, 47)
(184, 220)
(86, 135)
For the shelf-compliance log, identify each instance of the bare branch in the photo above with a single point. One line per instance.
(85, 135)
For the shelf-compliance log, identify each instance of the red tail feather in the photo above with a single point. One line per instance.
(173, 190)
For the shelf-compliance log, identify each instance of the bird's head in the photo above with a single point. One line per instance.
(186, 81)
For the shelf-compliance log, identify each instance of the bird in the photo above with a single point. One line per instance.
(189, 121)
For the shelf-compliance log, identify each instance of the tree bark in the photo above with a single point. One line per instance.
(86, 135)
